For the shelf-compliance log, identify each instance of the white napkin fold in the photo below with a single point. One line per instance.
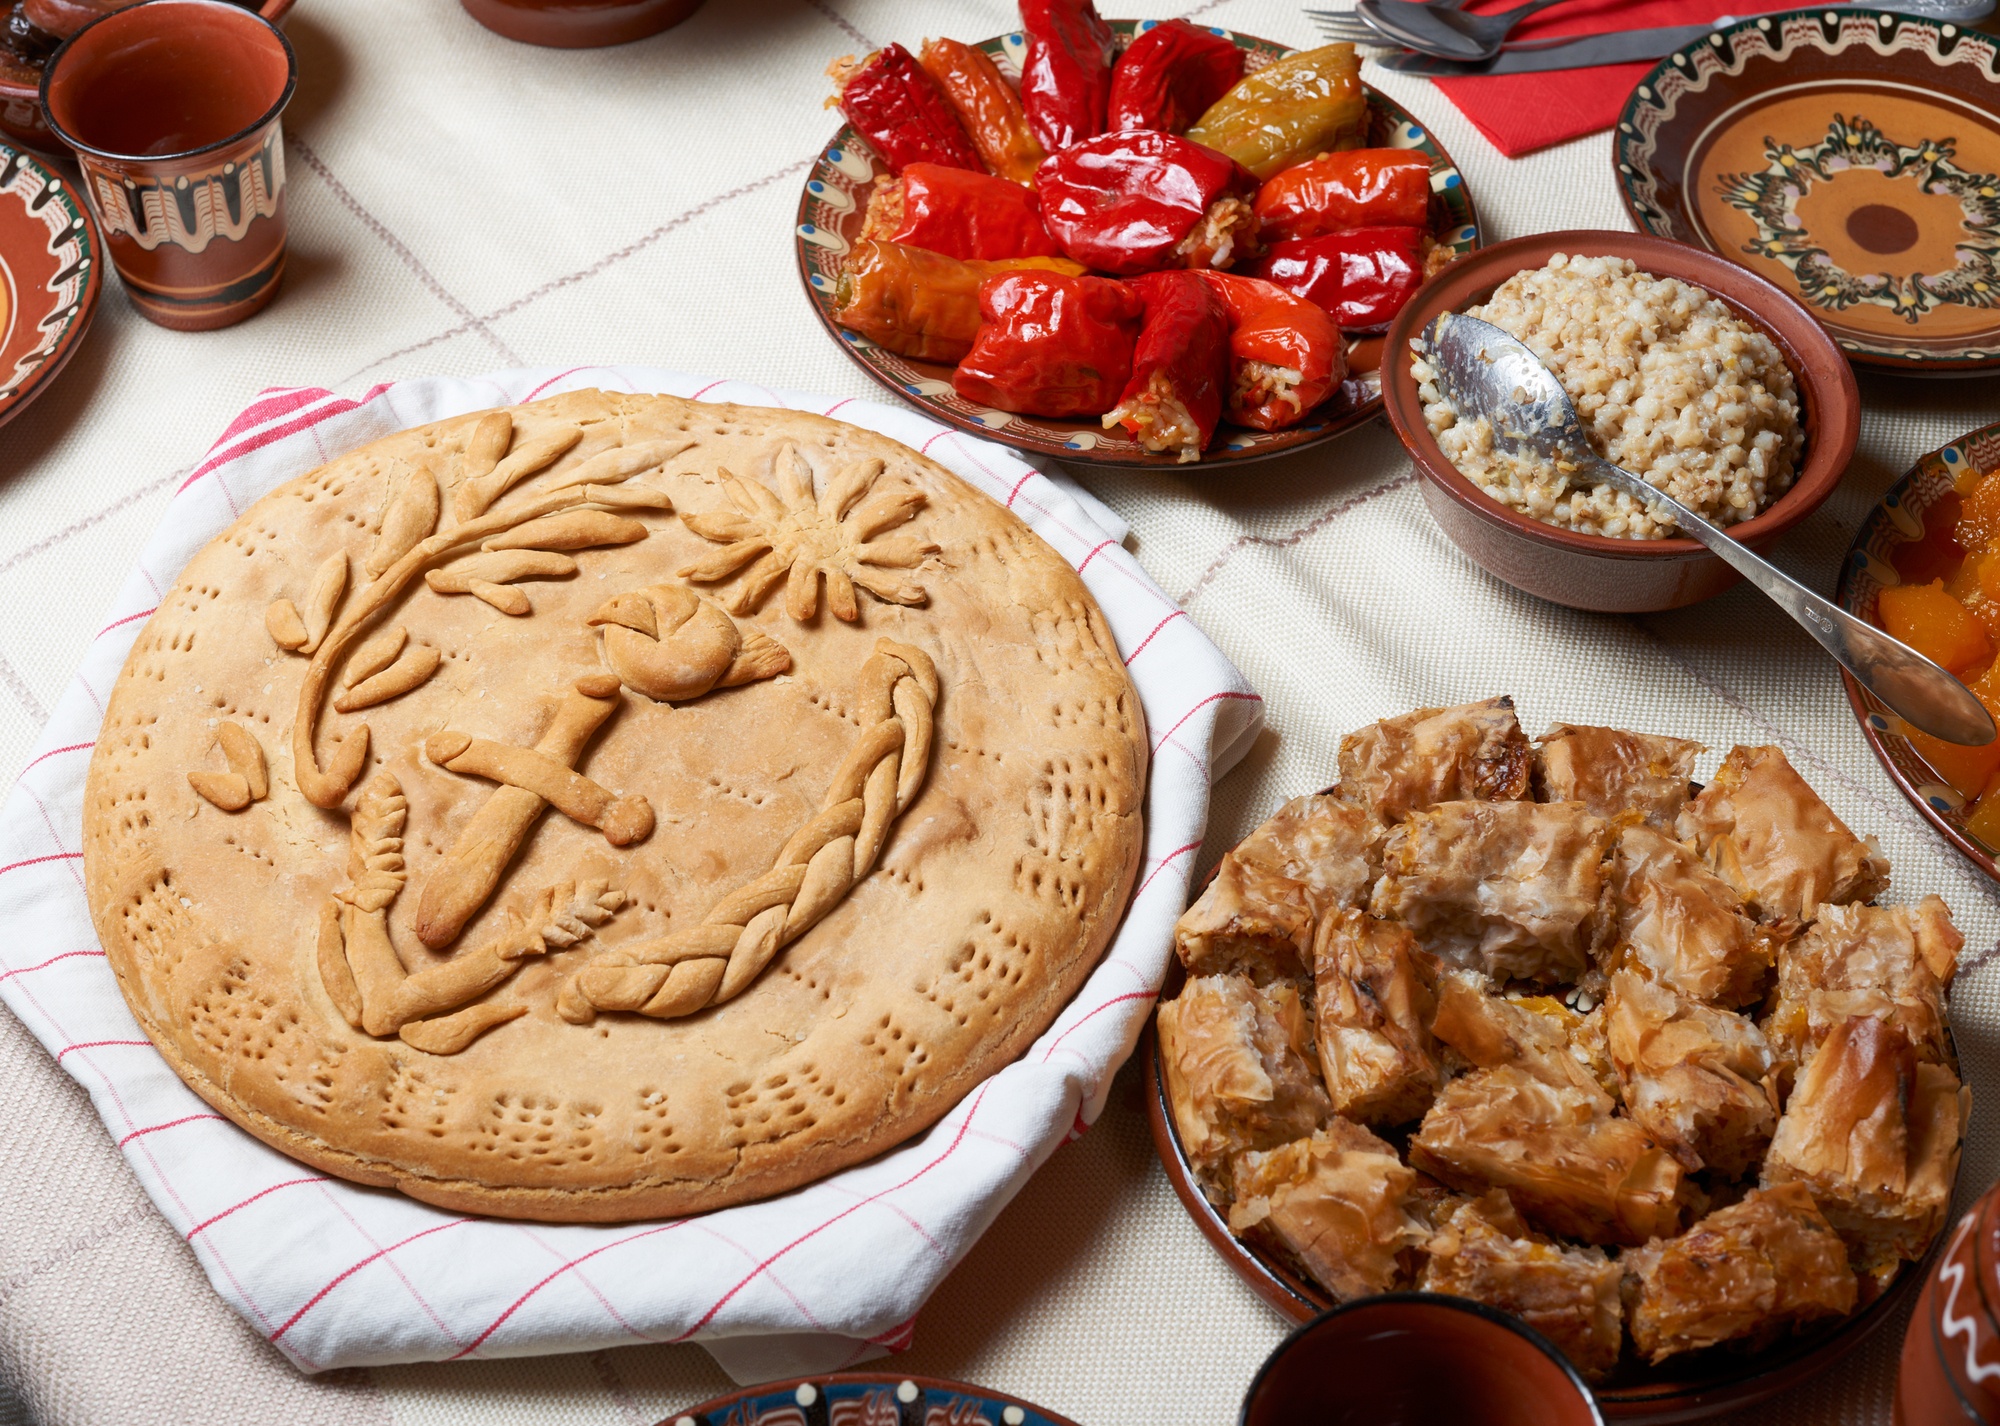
(338, 1275)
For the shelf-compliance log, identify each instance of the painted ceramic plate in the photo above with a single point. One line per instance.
(50, 261)
(1909, 537)
(1853, 158)
(1694, 1387)
(836, 198)
(865, 1399)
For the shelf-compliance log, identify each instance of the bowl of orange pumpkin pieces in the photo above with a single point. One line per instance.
(1925, 565)
(1124, 242)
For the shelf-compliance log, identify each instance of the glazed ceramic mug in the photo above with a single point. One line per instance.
(1417, 1359)
(172, 109)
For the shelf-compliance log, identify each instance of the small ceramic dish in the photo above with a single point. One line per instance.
(835, 202)
(865, 1399)
(1909, 536)
(1850, 157)
(578, 24)
(1598, 572)
(51, 271)
(22, 122)
(1695, 1387)
(1419, 1357)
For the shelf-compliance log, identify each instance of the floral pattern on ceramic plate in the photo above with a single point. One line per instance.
(1901, 542)
(50, 256)
(829, 220)
(860, 1399)
(1851, 157)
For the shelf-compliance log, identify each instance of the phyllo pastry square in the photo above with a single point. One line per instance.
(1874, 1134)
(1685, 924)
(1749, 1273)
(1485, 1251)
(1891, 962)
(1401, 765)
(1768, 834)
(1372, 1003)
(1512, 889)
(1239, 1074)
(1698, 1078)
(1257, 915)
(1572, 1167)
(1337, 1204)
(1611, 771)
(1536, 1034)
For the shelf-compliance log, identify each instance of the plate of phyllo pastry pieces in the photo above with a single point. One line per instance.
(1124, 242)
(452, 812)
(1546, 1025)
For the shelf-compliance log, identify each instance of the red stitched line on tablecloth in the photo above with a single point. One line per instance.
(171, 1123)
(317, 1297)
(798, 1305)
(95, 1045)
(23, 694)
(1093, 1014)
(1177, 614)
(326, 1191)
(591, 1287)
(53, 752)
(950, 1149)
(840, 22)
(515, 1305)
(43, 965)
(37, 861)
(1164, 862)
(189, 1236)
(1212, 698)
(125, 501)
(1094, 551)
(143, 613)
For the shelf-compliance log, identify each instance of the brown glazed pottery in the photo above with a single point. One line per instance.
(1695, 1387)
(172, 108)
(1951, 1353)
(1852, 158)
(51, 270)
(1909, 538)
(834, 205)
(22, 122)
(864, 1399)
(1417, 1359)
(579, 24)
(1597, 572)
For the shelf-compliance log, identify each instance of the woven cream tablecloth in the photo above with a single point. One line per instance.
(460, 204)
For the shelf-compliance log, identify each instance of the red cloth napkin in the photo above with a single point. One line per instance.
(1520, 113)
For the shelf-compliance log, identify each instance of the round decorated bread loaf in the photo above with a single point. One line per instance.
(612, 807)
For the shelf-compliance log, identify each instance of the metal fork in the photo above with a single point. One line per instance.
(1346, 26)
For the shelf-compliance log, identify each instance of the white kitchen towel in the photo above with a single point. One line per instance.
(338, 1275)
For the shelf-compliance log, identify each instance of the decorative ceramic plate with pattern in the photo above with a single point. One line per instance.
(835, 201)
(864, 1399)
(1852, 157)
(50, 261)
(1908, 538)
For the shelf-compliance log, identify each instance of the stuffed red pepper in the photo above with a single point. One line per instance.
(1170, 76)
(1050, 344)
(1180, 366)
(1285, 354)
(1361, 278)
(1066, 74)
(895, 105)
(1358, 188)
(958, 213)
(1137, 200)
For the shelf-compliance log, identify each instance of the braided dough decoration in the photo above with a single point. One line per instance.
(712, 962)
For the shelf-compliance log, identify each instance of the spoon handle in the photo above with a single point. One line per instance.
(1917, 690)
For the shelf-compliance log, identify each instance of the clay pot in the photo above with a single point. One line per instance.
(579, 24)
(1408, 1358)
(1951, 1352)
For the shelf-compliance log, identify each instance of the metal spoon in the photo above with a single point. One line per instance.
(1448, 34)
(1483, 371)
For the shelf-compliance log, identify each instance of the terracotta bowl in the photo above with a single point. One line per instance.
(22, 121)
(1594, 571)
(1949, 1348)
(579, 24)
(1695, 1387)
(1418, 1357)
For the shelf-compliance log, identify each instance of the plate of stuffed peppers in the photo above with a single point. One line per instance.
(1124, 242)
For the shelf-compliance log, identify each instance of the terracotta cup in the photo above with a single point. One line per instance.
(172, 108)
(1951, 1353)
(579, 24)
(1414, 1359)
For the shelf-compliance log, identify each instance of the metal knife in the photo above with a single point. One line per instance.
(1588, 51)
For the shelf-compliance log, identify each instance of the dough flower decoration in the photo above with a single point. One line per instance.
(796, 537)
